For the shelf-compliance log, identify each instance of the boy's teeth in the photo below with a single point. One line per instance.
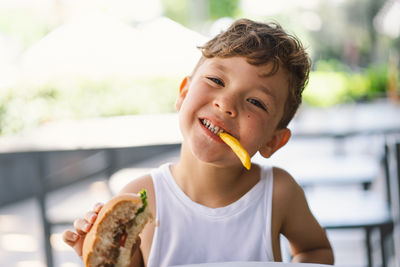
(211, 127)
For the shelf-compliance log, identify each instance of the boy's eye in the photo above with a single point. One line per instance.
(216, 81)
(257, 103)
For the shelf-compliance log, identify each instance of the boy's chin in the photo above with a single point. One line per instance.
(218, 162)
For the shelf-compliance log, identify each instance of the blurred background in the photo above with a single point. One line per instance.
(86, 86)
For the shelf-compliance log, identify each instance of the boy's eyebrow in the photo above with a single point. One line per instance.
(262, 75)
(219, 66)
(267, 91)
(265, 88)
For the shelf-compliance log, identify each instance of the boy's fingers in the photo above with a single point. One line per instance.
(70, 237)
(97, 207)
(91, 217)
(73, 240)
(82, 226)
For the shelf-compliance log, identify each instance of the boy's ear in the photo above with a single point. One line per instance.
(278, 140)
(183, 89)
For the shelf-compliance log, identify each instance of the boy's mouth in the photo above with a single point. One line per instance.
(213, 128)
(231, 141)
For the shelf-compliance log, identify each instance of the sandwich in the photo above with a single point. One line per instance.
(113, 235)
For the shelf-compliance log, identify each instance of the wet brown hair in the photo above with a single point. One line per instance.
(260, 44)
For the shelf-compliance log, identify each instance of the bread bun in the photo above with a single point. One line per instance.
(115, 231)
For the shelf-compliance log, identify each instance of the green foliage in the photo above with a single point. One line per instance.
(325, 88)
(180, 10)
(333, 83)
(223, 8)
(377, 76)
(177, 10)
(330, 65)
(25, 107)
(24, 25)
(357, 86)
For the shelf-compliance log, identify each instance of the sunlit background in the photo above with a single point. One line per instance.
(73, 60)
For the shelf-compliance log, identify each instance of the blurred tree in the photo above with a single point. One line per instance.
(25, 26)
(372, 9)
(348, 33)
(223, 8)
(196, 13)
(360, 15)
(190, 13)
(177, 10)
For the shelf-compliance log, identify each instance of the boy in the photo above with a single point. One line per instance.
(208, 208)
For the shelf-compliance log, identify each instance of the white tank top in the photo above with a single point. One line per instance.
(189, 233)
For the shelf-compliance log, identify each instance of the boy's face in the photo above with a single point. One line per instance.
(234, 96)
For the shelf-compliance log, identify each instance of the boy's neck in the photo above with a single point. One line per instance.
(210, 185)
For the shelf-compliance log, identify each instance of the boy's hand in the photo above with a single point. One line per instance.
(82, 226)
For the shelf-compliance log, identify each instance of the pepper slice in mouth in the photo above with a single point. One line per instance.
(237, 148)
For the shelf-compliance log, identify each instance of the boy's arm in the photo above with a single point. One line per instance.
(308, 240)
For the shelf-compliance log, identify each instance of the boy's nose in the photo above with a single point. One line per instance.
(225, 105)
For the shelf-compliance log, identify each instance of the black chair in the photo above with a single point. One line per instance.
(392, 164)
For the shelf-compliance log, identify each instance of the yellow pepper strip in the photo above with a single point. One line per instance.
(234, 144)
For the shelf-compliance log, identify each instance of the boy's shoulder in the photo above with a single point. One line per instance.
(284, 185)
(138, 184)
(283, 178)
(288, 199)
(286, 189)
